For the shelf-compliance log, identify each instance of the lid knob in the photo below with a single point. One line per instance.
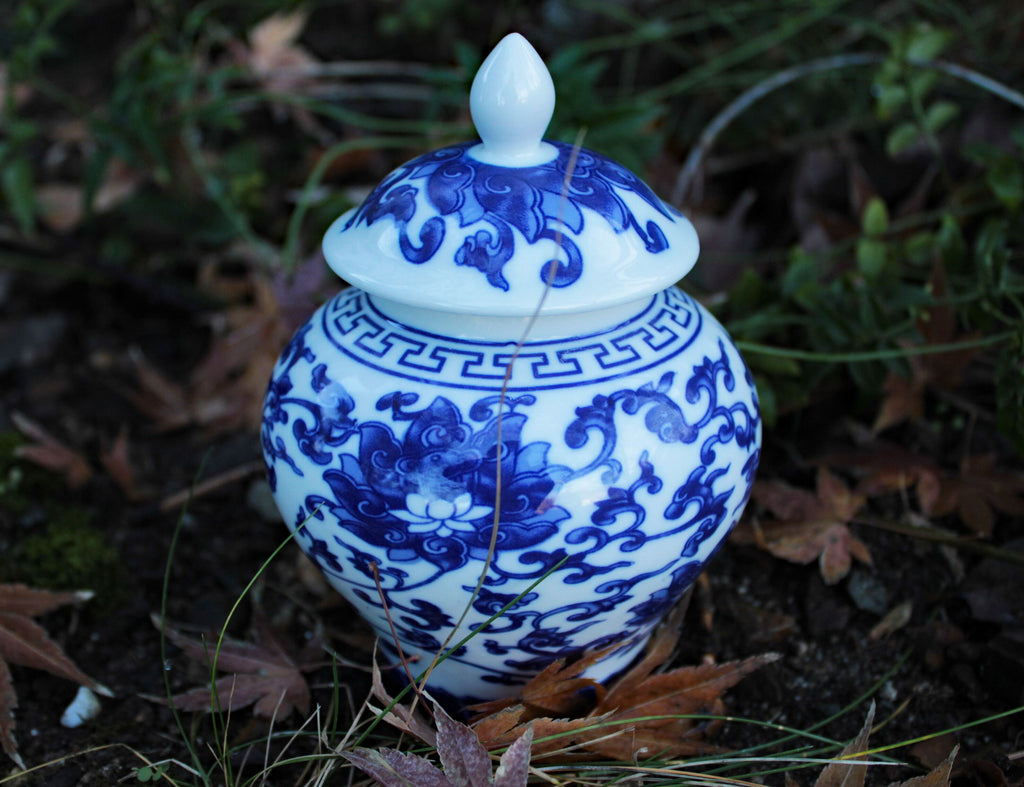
(512, 101)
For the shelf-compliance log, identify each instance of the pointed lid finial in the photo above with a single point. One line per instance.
(474, 228)
(512, 101)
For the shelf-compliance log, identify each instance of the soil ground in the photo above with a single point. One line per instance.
(73, 330)
(944, 668)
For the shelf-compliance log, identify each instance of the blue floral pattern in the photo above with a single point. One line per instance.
(490, 201)
(402, 497)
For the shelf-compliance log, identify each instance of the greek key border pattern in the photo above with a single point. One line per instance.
(665, 328)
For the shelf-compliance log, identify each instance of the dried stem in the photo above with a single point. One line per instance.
(687, 175)
(548, 283)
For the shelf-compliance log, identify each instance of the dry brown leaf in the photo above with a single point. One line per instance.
(118, 464)
(895, 619)
(550, 735)
(812, 526)
(978, 492)
(612, 724)
(974, 492)
(904, 399)
(266, 674)
(61, 205)
(931, 752)
(845, 771)
(273, 46)
(613, 727)
(404, 718)
(938, 777)
(558, 690)
(685, 691)
(657, 653)
(888, 467)
(281, 65)
(225, 391)
(48, 452)
(497, 727)
(25, 643)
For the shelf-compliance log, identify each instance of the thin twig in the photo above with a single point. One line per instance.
(179, 499)
(964, 543)
(351, 68)
(394, 631)
(506, 381)
(687, 175)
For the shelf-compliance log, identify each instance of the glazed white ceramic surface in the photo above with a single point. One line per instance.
(587, 475)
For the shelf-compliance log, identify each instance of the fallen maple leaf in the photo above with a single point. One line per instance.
(974, 492)
(544, 704)
(811, 526)
(282, 66)
(938, 776)
(117, 462)
(24, 642)
(654, 710)
(641, 714)
(556, 690)
(849, 769)
(225, 391)
(48, 452)
(266, 674)
(465, 760)
(904, 398)
(887, 467)
(846, 771)
(977, 492)
(405, 719)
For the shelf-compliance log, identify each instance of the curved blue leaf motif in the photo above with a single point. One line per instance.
(429, 495)
(404, 498)
(490, 201)
(662, 600)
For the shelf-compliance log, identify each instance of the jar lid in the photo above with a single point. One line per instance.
(500, 226)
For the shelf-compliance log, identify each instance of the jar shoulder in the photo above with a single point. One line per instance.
(349, 332)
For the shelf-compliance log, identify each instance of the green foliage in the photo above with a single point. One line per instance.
(31, 41)
(152, 773)
(904, 85)
(220, 151)
(1004, 170)
(872, 250)
(624, 128)
(68, 554)
(1009, 385)
(422, 17)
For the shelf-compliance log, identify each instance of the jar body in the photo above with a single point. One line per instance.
(579, 498)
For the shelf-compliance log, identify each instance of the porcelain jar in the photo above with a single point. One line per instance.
(513, 409)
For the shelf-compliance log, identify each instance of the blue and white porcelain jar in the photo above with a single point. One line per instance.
(513, 407)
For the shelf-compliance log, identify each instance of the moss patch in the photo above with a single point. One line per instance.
(68, 554)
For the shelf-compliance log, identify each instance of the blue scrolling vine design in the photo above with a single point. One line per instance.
(490, 201)
(416, 488)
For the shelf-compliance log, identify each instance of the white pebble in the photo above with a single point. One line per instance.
(84, 706)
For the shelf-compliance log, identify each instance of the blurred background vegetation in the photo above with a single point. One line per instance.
(859, 200)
